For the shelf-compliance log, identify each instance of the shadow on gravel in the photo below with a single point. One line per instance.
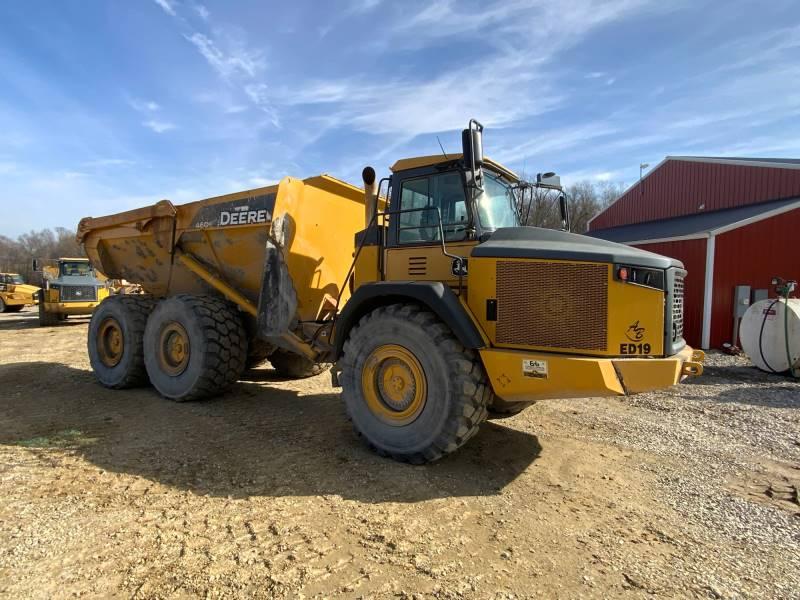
(30, 320)
(253, 441)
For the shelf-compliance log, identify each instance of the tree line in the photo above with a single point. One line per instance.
(16, 256)
(539, 207)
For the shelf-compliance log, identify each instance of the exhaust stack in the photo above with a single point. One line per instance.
(370, 194)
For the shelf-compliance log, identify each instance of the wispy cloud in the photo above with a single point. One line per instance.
(158, 126)
(167, 6)
(109, 162)
(505, 85)
(143, 106)
(238, 60)
(202, 11)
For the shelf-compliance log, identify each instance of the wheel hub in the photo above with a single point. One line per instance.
(394, 384)
(174, 352)
(110, 342)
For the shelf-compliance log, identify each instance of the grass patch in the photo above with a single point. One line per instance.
(69, 438)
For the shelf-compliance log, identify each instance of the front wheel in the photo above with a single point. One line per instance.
(47, 319)
(3, 306)
(410, 388)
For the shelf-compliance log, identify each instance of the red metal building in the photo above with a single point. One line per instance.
(731, 221)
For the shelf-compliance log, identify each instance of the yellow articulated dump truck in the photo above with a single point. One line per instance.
(436, 308)
(15, 294)
(71, 286)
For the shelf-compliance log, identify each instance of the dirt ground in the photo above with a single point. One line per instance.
(266, 492)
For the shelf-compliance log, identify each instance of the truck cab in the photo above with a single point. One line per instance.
(71, 287)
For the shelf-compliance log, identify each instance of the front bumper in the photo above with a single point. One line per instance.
(519, 376)
(71, 308)
(20, 300)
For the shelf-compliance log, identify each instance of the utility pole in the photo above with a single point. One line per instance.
(642, 167)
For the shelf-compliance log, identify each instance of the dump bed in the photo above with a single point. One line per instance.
(247, 240)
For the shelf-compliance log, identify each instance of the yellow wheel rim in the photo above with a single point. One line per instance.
(173, 349)
(394, 384)
(110, 342)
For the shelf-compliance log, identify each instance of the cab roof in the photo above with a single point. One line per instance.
(405, 164)
(10, 274)
(82, 259)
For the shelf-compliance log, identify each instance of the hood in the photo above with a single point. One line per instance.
(24, 288)
(535, 242)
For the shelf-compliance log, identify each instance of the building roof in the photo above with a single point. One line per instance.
(696, 225)
(782, 163)
(768, 164)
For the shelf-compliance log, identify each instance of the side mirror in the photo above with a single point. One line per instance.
(472, 148)
(563, 208)
(472, 144)
(35, 265)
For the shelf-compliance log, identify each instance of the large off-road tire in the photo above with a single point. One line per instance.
(412, 391)
(116, 341)
(257, 352)
(294, 366)
(3, 306)
(194, 347)
(47, 319)
(500, 409)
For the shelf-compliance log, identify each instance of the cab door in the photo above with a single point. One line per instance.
(414, 249)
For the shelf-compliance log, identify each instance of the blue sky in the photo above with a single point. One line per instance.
(106, 106)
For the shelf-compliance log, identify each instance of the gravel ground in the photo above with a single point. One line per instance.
(265, 492)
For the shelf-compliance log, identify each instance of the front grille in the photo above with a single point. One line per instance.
(78, 293)
(677, 308)
(552, 305)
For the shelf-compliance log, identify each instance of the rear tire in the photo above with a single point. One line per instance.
(47, 319)
(411, 389)
(194, 347)
(115, 341)
(294, 366)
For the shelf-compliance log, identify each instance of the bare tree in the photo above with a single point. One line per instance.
(16, 256)
(539, 207)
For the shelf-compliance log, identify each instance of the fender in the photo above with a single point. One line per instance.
(434, 295)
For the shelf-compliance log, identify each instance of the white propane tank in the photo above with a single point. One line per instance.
(767, 348)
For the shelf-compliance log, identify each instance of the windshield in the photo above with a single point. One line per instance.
(496, 205)
(80, 269)
(16, 279)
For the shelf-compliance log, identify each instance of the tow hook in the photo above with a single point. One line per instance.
(691, 369)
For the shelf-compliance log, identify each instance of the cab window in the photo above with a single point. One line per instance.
(445, 192)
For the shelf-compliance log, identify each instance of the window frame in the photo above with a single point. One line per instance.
(396, 200)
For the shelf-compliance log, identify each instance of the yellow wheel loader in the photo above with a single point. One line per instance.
(15, 294)
(436, 308)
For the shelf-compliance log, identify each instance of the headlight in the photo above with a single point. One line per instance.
(652, 278)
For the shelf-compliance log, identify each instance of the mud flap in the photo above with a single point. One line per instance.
(277, 303)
